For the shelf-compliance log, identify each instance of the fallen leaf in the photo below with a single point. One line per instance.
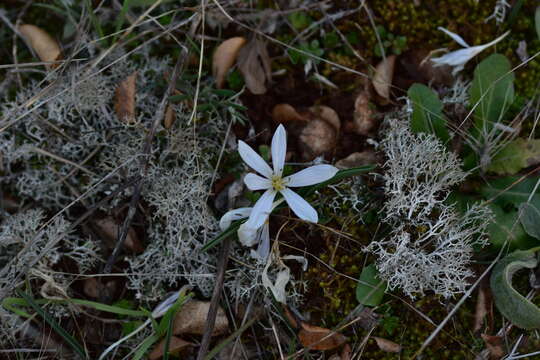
(93, 288)
(321, 133)
(285, 113)
(46, 48)
(481, 309)
(312, 336)
(124, 102)
(109, 230)
(224, 58)
(170, 117)
(358, 159)
(290, 317)
(384, 73)
(175, 346)
(191, 319)
(254, 64)
(494, 344)
(346, 353)
(364, 119)
(387, 345)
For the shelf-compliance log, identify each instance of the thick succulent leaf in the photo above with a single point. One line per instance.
(427, 113)
(514, 306)
(370, 290)
(492, 91)
(529, 215)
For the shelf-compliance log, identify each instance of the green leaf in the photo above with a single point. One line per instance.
(518, 154)
(427, 113)
(492, 91)
(341, 174)
(231, 231)
(537, 21)
(529, 215)
(507, 228)
(514, 306)
(512, 190)
(370, 290)
(57, 328)
(300, 20)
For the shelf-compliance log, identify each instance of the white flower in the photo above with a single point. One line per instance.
(273, 182)
(459, 58)
(250, 236)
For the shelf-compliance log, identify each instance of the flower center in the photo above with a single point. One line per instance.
(277, 183)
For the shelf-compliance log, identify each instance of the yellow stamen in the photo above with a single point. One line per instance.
(277, 183)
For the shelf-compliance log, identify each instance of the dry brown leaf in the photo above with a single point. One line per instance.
(45, 46)
(175, 346)
(254, 64)
(387, 345)
(327, 114)
(364, 119)
(346, 353)
(384, 73)
(109, 229)
(170, 117)
(320, 134)
(312, 336)
(124, 101)
(285, 113)
(191, 319)
(357, 159)
(481, 309)
(494, 344)
(224, 58)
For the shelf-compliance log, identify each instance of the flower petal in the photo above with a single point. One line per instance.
(261, 210)
(299, 206)
(247, 235)
(311, 175)
(454, 36)
(279, 149)
(256, 182)
(233, 215)
(264, 243)
(254, 160)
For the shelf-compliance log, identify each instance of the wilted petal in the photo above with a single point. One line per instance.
(459, 58)
(264, 243)
(254, 160)
(233, 215)
(279, 149)
(256, 182)
(299, 206)
(261, 210)
(311, 175)
(454, 36)
(247, 235)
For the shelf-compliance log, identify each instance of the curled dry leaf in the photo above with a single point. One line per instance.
(384, 73)
(320, 134)
(109, 230)
(364, 119)
(124, 99)
(170, 117)
(224, 58)
(176, 346)
(387, 345)
(285, 113)
(358, 159)
(254, 64)
(494, 344)
(46, 48)
(318, 338)
(191, 319)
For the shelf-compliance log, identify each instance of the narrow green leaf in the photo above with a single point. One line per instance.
(492, 91)
(145, 345)
(212, 354)
(231, 231)
(514, 306)
(370, 290)
(529, 215)
(427, 113)
(70, 340)
(537, 21)
(342, 174)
